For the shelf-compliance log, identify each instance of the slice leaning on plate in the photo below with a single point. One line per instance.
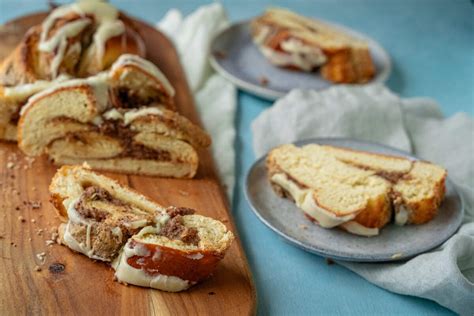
(168, 249)
(353, 190)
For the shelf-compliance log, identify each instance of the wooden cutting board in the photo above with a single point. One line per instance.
(70, 283)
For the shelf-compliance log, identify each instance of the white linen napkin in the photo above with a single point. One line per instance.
(215, 97)
(372, 112)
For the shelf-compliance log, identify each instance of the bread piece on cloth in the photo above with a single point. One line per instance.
(123, 129)
(169, 249)
(355, 190)
(289, 40)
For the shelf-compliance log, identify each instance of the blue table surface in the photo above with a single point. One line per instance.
(432, 48)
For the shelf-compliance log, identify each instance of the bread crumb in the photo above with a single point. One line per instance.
(50, 242)
(183, 193)
(220, 54)
(41, 257)
(397, 255)
(37, 268)
(21, 219)
(33, 220)
(35, 204)
(10, 165)
(329, 261)
(263, 81)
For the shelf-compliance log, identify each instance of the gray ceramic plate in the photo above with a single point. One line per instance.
(235, 57)
(393, 243)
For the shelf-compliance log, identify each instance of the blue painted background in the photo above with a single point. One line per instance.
(432, 48)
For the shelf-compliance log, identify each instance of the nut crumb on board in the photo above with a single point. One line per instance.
(56, 267)
(10, 165)
(183, 193)
(50, 242)
(33, 220)
(41, 257)
(35, 204)
(37, 268)
(21, 219)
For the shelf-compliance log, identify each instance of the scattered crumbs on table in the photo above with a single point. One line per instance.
(10, 165)
(33, 220)
(329, 261)
(21, 219)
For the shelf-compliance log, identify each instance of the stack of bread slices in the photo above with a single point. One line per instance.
(357, 191)
(78, 89)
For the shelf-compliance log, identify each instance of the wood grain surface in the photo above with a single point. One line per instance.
(70, 283)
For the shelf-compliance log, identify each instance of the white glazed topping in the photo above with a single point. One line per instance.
(71, 242)
(134, 114)
(113, 114)
(105, 32)
(105, 16)
(24, 91)
(305, 62)
(358, 229)
(402, 214)
(145, 65)
(304, 200)
(128, 274)
(97, 82)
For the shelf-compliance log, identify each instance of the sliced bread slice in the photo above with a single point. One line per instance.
(169, 248)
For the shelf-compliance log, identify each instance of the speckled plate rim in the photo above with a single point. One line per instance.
(271, 94)
(334, 254)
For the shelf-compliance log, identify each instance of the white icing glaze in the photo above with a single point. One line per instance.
(358, 229)
(113, 114)
(136, 224)
(195, 256)
(104, 33)
(97, 82)
(128, 274)
(145, 65)
(305, 62)
(402, 213)
(24, 91)
(104, 15)
(304, 200)
(132, 115)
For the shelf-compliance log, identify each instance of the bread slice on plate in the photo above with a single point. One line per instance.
(290, 40)
(113, 123)
(353, 190)
(166, 248)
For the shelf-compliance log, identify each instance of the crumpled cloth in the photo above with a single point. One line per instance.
(374, 113)
(216, 98)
